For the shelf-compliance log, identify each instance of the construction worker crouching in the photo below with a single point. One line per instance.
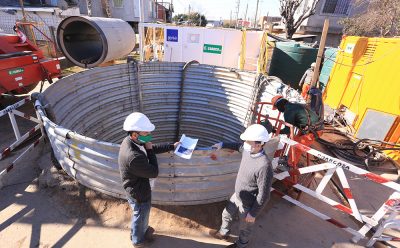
(137, 163)
(299, 115)
(252, 186)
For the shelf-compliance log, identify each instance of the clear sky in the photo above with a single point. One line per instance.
(216, 9)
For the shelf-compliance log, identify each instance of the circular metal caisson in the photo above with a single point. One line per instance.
(86, 111)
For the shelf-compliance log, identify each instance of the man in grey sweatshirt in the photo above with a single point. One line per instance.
(252, 187)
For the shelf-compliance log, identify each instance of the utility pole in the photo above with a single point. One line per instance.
(230, 20)
(255, 16)
(199, 19)
(237, 12)
(245, 14)
(141, 9)
(141, 29)
(314, 81)
(189, 9)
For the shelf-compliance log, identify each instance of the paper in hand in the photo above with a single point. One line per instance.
(186, 147)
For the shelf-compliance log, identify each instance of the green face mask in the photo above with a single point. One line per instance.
(145, 139)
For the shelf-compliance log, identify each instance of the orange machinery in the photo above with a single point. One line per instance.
(23, 65)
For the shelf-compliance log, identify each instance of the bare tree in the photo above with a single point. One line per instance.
(289, 10)
(379, 18)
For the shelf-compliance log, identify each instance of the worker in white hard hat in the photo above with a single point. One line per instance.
(252, 186)
(306, 81)
(137, 163)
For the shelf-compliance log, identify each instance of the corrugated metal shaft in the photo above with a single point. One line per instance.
(94, 103)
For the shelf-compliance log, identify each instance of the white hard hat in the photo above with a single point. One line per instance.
(313, 64)
(138, 122)
(255, 132)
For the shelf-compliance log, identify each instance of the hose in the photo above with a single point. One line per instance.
(365, 152)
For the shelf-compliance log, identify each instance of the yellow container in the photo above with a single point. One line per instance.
(366, 77)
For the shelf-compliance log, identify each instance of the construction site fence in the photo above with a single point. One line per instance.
(13, 111)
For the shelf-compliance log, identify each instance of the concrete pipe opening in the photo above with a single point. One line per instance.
(86, 112)
(91, 41)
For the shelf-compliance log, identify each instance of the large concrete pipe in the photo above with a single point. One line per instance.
(91, 41)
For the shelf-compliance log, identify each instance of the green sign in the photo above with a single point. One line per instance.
(15, 71)
(209, 48)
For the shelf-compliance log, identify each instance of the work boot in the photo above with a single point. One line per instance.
(149, 234)
(217, 235)
(141, 245)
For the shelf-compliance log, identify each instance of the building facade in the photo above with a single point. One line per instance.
(127, 10)
(334, 10)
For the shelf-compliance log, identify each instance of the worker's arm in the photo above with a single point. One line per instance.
(232, 145)
(161, 148)
(290, 117)
(303, 78)
(285, 130)
(143, 166)
(264, 182)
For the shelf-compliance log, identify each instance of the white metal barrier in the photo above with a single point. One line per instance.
(391, 222)
(333, 165)
(12, 111)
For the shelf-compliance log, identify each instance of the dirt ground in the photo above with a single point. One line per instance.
(62, 213)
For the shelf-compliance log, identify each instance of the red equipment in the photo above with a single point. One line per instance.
(23, 65)
(278, 125)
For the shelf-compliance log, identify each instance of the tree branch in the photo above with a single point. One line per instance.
(288, 10)
(305, 15)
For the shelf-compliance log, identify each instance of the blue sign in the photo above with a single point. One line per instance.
(172, 35)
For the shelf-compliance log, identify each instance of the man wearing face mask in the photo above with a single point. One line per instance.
(137, 163)
(252, 186)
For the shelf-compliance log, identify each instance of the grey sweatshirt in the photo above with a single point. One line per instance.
(254, 179)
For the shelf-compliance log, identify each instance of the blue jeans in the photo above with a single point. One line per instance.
(233, 208)
(140, 220)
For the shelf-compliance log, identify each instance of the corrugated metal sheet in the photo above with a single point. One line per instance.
(95, 102)
(181, 182)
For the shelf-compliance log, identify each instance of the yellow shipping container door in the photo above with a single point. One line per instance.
(366, 80)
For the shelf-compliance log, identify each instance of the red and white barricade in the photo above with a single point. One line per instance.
(12, 112)
(391, 222)
(334, 165)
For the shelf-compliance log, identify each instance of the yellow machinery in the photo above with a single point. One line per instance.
(366, 81)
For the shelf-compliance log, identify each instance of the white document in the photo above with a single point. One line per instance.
(186, 147)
